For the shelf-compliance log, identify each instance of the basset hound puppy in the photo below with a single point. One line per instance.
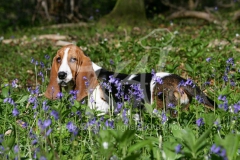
(72, 69)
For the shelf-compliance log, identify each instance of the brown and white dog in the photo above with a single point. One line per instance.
(73, 69)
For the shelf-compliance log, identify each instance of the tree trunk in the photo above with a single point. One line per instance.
(126, 12)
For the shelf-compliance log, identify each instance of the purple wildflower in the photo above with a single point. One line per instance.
(178, 148)
(171, 105)
(230, 61)
(164, 117)
(200, 122)
(42, 158)
(16, 149)
(86, 81)
(47, 56)
(232, 83)
(225, 78)
(72, 128)
(32, 60)
(44, 106)
(124, 116)
(224, 105)
(236, 107)
(199, 99)
(42, 64)
(14, 83)
(34, 142)
(9, 100)
(48, 131)
(60, 95)
(109, 123)
(111, 62)
(1, 138)
(119, 107)
(218, 150)
(47, 123)
(41, 75)
(208, 59)
(217, 124)
(156, 79)
(189, 82)
(112, 79)
(55, 114)
(137, 92)
(15, 112)
(222, 98)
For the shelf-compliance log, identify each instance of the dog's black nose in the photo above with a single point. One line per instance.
(62, 75)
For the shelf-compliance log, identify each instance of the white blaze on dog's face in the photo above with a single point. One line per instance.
(67, 62)
(64, 72)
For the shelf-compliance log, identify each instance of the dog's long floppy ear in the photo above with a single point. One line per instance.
(86, 79)
(53, 88)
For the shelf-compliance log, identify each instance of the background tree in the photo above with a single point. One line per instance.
(127, 12)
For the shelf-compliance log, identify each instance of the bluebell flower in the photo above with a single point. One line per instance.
(199, 99)
(47, 56)
(164, 117)
(232, 83)
(32, 60)
(34, 142)
(14, 83)
(55, 114)
(109, 123)
(225, 78)
(189, 82)
(60, 95)
(178, 148)
(156, 78)
(41, 75)
(230, 61)
(45, 107)
(136, 92)
(1, 138)
(15, 112)
(224, 105)
(86, 81)
(47, 123)
(200, 122)
(119, 107)
(42, 158)
(208, 59)
(9, 100)
(42, 64)
(16, 149)
(218, 150)
(111, 62)
(71, 127)
(112, 79)
(124, 116)
(171, 105)
(236, 107)
(1, 150)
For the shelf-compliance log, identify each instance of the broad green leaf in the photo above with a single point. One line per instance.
(139, 145)
(22, 99)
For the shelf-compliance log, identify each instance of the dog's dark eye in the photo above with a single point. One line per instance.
(59, 59)
(73, 59)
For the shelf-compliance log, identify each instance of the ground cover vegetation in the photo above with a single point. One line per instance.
(33, 127)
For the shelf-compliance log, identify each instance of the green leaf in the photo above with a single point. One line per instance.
(126, 136)
(140, 145)
(231, 143)
(5, 92)
(22, 99)
(201, 141)
(188, 67)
